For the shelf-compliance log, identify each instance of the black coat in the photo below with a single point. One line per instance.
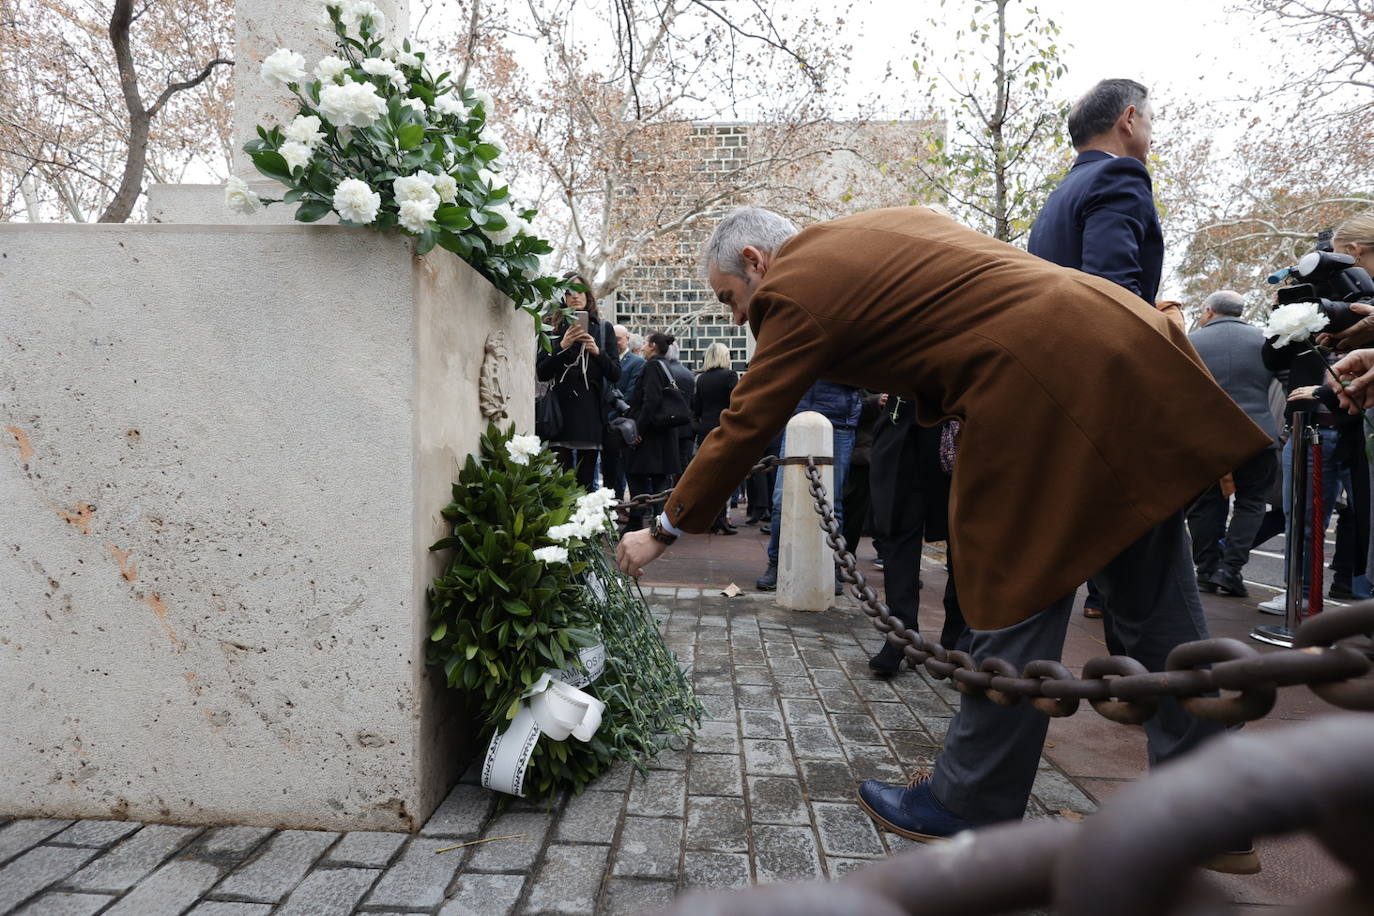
(711, 396)
(657, 452)
(687, 384)
(580, 385)
(909, 488)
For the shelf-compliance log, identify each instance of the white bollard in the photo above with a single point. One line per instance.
(806, 566)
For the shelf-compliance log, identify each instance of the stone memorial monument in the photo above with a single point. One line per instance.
(224, 447)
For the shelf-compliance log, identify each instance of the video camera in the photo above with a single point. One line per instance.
(1331, 280)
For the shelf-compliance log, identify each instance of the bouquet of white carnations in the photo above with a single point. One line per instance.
(384, 143)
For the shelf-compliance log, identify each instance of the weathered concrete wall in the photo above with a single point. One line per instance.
(223, 452)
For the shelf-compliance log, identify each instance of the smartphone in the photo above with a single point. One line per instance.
(581, 318)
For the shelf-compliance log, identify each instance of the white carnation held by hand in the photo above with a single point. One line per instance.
(552, 554)
(1294, 321)
(356, 202)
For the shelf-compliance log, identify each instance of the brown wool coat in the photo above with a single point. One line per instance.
(1088, 417)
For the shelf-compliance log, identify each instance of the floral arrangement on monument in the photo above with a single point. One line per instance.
(553, 647)
(383, 142)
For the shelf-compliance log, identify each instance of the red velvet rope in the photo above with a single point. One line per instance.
(1314, 583)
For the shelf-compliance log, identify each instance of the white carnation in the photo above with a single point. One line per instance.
(239, 198)
(305, 129)
(502, 236)
(481, 98)
(329, 69)
(416, 214)
(353, 12)
(352, 104)
(407, 59)
(450, 104)
(446, 188)
(522, 448)
(1294, 321)
(355, 201)
(552, 554)
(417, 187)
(416, 105)
(380, 66)
(596, 501)
(283, 66)
(297, 155)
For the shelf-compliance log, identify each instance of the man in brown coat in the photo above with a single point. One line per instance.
(1069, 462)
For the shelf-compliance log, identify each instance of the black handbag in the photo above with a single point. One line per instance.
(548, 415)
(673, 409)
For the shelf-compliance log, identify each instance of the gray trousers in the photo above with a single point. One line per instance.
(991, 752)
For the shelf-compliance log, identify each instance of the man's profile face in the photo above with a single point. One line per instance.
(734, 291)
(622, 338)
(1138, 144)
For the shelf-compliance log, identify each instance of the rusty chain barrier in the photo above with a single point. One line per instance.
(1119, 687)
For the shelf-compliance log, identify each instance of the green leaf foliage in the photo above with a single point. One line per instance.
(500, 618)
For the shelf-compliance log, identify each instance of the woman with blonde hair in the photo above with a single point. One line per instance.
(711, 396)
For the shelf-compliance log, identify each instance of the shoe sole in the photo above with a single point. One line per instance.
(900, 831)
(1235, 863)
(1270, 610)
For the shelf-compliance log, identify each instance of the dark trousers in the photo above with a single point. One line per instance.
(1207, 517)
(759, 490)
(639, 485)
(613, 462)
(988, 765)
(582, 461)
(902, 585)
(857, 500)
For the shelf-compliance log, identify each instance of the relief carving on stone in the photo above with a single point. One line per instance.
(494, 381)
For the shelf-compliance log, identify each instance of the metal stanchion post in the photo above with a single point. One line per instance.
(1300, 438)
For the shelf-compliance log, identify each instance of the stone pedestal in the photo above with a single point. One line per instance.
(223, 454)
(806, 568)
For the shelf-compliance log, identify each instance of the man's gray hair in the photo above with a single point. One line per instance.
(743, 228)
(636, 342)
(1095, 113)
(1225, 302)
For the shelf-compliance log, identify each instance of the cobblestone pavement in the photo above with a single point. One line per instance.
(765, 793)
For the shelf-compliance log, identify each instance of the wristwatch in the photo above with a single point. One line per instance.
(658, 533)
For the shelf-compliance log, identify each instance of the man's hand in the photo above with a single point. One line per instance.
(636, 550)
(1356, 374)
(1360, 334)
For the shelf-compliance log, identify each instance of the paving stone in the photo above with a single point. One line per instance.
(649, 848)
(719, 708)
(231, 843)
(926, 703)
(706, 870)
(669, 759)
(628, 897)
(38, 868)
(19, 836)
(776, 648)
(713, 684)
(569, 880)
(484, 895)
(815, 658)
(591, 817)
(829, 677)
(937, 727)
(841, 700)
(755, 697)
(462, 814)
(616, 779)
(913, 748)
(768, 758)
(873, 762)
(828, 780)
(95, 833)
(123, 866)
(1057, 792)
(860, 729)
(870, 687)
(777, 800)
(794, 687)
(61, 904)
(804, 712)
(278, 867)
(505, 855)
(717, 738)
(893, 715)
(761, 723)
(753, 674)
(716, 824)
(787, 667)
(785, 854)
(329, 891)
(366, 849)
(846, 830)
(751, 656)
(170, 890)
(715, 774)
(226, 908)
(420, 876)
(838, 867)
(813, 741)
(660, 794)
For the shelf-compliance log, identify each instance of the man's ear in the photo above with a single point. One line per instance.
(1127, 121)
(754, 258)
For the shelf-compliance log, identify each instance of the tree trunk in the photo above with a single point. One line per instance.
(131, 184)
(1001, 218)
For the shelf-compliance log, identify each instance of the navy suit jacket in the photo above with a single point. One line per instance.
(1102, 220)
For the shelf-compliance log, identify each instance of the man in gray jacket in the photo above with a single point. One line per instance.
(1232, 350)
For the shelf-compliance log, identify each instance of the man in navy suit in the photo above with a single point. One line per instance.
(1102, 218)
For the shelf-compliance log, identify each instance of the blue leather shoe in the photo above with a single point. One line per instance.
(910, 811)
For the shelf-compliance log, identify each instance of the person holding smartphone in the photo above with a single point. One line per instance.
(581, 366)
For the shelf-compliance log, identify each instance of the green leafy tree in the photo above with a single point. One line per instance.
(1005, 149)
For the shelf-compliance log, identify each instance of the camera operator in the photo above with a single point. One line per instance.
(1355, 237)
